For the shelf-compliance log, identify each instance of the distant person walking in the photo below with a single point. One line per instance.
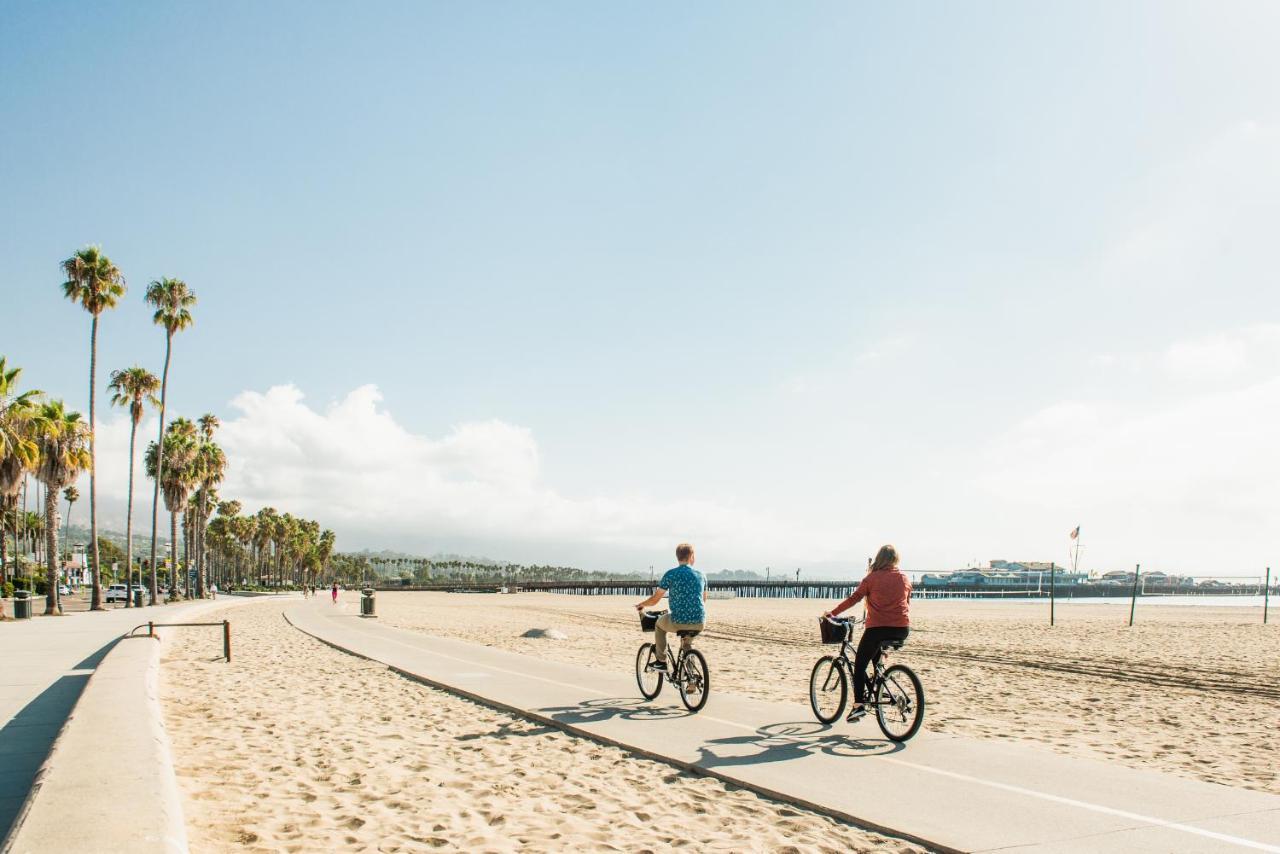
(334, 591)
(888, 593)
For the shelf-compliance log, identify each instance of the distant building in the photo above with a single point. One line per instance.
(1004, 573)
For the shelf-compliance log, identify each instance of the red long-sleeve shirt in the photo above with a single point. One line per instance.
(888, 594)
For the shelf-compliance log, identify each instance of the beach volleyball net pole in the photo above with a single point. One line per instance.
(1224, 586)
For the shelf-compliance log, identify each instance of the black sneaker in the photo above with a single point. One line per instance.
(659, 665)
(857, 713)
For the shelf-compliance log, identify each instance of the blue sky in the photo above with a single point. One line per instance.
(786, 281)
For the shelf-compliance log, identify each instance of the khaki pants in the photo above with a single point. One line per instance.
(665, 625)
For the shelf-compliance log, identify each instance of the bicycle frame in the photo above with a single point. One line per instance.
(877, 666)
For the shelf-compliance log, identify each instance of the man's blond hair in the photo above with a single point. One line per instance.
(684, 551)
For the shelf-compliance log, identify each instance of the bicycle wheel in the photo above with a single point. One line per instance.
(899, 703)
(828, 689)
(650, 681)
(694, 681)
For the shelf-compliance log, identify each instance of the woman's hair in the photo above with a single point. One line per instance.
(886, 558)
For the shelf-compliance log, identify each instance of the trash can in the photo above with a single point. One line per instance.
(22, 605)
(366, 602)
(137, 598)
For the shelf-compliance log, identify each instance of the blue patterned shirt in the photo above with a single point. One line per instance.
(684, 586)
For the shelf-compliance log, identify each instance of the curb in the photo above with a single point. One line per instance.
(112, 749)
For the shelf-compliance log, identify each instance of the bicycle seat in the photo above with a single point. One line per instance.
(689, 633)
(886, 646)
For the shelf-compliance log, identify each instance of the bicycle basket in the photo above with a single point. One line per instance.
(833, 631)
(649, 619)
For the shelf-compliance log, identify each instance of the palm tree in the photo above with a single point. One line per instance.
(229, 513)
(179, 450)
(210, 466)
(324, 550)
(95, 284)
(64, 452)
(18, 455)
(133, 388)
(72, 495)
(173, 300)
(263, 532)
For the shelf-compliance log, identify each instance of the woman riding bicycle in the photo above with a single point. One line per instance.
(888, 593)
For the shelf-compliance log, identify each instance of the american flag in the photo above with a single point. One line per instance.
(1076, 532)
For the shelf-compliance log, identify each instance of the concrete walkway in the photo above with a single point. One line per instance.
(47, 663)
(950, 793)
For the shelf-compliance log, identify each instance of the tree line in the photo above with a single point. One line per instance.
(41, 438)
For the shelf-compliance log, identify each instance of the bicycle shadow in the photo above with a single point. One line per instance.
(784, 742)
(606, 709)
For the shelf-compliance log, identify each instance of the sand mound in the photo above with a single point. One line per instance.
(548, 634)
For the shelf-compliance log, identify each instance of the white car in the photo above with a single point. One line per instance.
(117, 593)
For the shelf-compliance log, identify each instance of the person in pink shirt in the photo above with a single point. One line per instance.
(887, 592)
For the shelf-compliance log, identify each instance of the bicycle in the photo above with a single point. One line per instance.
(687, 670)
(895, 691)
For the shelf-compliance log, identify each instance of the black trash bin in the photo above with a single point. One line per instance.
(22, 605)
(366, 602)
(137, 598)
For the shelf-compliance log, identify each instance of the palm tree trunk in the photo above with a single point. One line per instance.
(4, 552)
(66, 535)
(186, 553)
(175, 592)
(200, 547)
(51, 603)
(155, 495)
(128, 521)
(95, 603)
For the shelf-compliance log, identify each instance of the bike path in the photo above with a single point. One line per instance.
(947, 792)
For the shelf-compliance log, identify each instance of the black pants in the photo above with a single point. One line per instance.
(869, 650)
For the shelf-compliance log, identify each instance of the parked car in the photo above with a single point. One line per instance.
(64, 590)
(117, 593)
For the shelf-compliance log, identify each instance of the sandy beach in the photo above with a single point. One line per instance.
(295, 746)
(1188, 690)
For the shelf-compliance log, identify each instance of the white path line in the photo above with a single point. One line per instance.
(1099, 808)
(1007, 787)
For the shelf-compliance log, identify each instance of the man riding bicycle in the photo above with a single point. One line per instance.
(687, 589)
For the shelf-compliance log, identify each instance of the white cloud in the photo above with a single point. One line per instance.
(1211, 224)
(1225, 356)
(1193, 479)
(839, 375)
(354, 468)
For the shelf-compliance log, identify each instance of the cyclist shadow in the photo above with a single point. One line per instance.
(627, 708)
(783, 742)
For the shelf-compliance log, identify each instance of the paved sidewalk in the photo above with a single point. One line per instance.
(949, 793)
(47, 662)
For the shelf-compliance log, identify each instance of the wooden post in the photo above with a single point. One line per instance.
(1266, 596)
(1053, 570)
(151, 629)
(1133, 600)
(226, 639)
